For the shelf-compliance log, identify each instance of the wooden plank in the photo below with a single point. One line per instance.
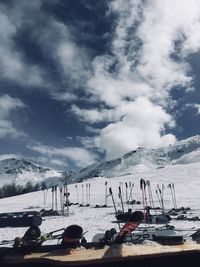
(117, 253)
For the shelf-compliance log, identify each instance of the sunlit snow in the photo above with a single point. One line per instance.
(93, 220)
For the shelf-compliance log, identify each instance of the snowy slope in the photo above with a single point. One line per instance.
(141, 159)
(186, 178)
(21, 171)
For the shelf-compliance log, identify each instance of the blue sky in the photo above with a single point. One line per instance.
(83, 81)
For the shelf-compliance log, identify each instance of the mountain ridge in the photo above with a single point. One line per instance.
(181, 152)
(186, 151)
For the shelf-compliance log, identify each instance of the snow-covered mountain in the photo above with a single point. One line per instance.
(178, 164)
(182, 152)
(135, 162)
(21, 171)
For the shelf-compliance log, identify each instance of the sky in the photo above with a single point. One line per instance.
(83, 81)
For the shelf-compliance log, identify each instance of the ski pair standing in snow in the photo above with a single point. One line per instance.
(172, 189)
(144, 200)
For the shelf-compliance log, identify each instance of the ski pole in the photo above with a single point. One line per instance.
(150, 194)
(121, 185)
(89, 194)
(144, 197)
(126, 192)
(161, 197)
(56, 200)
(158, 199)
(174, 195)
(52, 190)
(120, 197)
(106, 194)
(77, 193)
(145, 194)
(110, 191)
(163, 187)
(146, 204)
(44, 198)
(170, 186)
(130, 195)
(61, 201)
(82, 194)
(141, 188)
(86, 188)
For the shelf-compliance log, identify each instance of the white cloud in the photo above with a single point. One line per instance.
(71, 60)
(197, 106)
(136, 81)
(13, 64)
(142, 125)
(86, 141)
(93, 115)
(164, 23)
(136, 77)
(9, 156)
(59, 163)
(65, 96)
(53, 38)
(80, 156)
(7, 106)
